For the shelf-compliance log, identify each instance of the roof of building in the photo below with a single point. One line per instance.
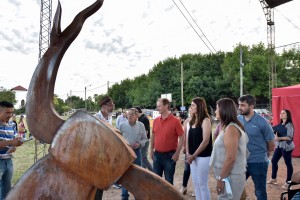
(19, 88)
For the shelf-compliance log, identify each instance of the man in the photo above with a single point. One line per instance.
(165, 148)
(8, 144)
(106, 108)
(261, 143)
(144, 119)
(105, 114)
(120, 119)
(135, 134)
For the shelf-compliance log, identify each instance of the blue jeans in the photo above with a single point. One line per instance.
(145, 161)
(163, 163)
(296, 196)
(6, 173)
(287, 156)
(258, 173)
(138, 162)
(186, 173)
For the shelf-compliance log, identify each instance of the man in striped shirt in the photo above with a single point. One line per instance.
(8, 144)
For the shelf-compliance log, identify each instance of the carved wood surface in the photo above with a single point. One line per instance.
(85, 153)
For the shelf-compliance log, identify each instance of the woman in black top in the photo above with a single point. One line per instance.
(199, 147)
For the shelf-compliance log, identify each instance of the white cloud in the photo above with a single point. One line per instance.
(126, 38)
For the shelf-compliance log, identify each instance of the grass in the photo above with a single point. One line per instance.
(24, 158)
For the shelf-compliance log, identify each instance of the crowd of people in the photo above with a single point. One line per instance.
(239, 147)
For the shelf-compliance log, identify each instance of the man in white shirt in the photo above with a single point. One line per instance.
(120, 119)
(106, 108)
(135, 134)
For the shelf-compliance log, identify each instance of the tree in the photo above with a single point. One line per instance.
(59, 105)
(7, 95)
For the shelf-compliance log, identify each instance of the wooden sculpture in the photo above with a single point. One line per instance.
(85, 153)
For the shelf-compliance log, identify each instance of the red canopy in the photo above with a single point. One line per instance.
(288, 98)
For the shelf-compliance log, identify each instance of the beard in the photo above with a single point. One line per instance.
(246, 112)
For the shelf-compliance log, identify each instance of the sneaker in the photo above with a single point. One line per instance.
(183, 190)
(193, 194)
(115, 185)
(285, 186)
(272, 181)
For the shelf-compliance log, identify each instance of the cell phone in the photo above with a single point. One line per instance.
(25, 140)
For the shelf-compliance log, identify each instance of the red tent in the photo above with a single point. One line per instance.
(288, 98)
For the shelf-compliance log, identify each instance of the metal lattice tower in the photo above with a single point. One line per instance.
(269, 14)
(44, 41)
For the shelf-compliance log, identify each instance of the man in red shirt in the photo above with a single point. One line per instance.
(165, 147)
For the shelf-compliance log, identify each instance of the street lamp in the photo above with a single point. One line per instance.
(85, 96)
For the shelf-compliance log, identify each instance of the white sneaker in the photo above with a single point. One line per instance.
(193, 194)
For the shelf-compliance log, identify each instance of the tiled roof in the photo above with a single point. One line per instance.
(19, 88)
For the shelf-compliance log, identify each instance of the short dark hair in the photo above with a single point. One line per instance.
(6, 104)
(249, 99)
(138, 108)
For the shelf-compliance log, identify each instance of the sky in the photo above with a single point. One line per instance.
(125, 39)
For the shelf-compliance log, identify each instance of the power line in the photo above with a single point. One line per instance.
(197, 25)
(290, 21)
(287, 44)
(192, 27)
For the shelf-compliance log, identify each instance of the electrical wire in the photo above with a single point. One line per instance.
(192, 27)
(197, 25)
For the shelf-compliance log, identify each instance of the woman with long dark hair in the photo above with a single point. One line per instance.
(199, 147)
(284, 148)
(229, 156)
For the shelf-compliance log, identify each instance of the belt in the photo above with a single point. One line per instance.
(172, 151)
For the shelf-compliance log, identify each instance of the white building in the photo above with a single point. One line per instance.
(21, 93)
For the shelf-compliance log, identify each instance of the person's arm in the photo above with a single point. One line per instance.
(184, 135)
(289, 135)
(270, 145)
(231, 144)
(179, 132)
(144, 138)
(14, 142)
(175, 156)
(206, 127)
(152, 145)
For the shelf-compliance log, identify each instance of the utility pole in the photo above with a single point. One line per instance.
(85, 96)
(241, 70)
(182, 103)
(107, 86)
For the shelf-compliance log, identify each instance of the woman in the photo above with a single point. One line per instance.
(21, 127)
(187, 171)
(199, 147)
(229, 157)
(284, 147)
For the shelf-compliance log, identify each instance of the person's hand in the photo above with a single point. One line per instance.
(220, 187)
(175, 156)
(11, 149)
(184, 150)
(190, 158)
(16, 142)
(276, 137)
(151, 154)
(136, 145)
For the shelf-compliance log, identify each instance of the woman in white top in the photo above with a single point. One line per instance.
(229, 156)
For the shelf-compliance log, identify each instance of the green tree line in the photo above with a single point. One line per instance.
(211, 76)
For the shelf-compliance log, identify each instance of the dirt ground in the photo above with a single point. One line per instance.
(274, 191)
